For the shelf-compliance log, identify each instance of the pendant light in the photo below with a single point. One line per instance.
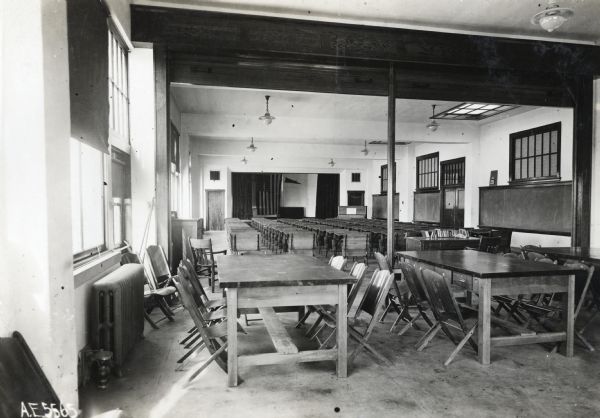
(331, 162)
(365, 150)
(433, 125)
(267, 118)
(553, 16)
(244, 160)
(251, 147)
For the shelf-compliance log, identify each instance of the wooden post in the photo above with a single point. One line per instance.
(583, 115)
(391, 158)
(163, 198)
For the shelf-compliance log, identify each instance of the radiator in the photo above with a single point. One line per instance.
(117, 317)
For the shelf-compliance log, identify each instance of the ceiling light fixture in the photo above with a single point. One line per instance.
(244, 160)
(365, 149)
(433, 125)
(251, 147)
(267, 118)
(331, 162)
(552, 17)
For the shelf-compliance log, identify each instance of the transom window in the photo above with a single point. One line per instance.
(535, 153)
(428, 171)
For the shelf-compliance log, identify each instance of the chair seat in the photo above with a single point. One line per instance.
(165, 291)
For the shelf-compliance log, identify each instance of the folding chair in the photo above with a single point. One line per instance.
(155, 296)
(447, 313)
(337, 262)
(358, 271)
(373, 304)
(396, 295)
(418, 297)
(204, 259)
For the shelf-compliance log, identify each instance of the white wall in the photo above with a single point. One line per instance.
(35, 256)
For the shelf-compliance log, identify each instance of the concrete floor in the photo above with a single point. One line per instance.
(525, 381)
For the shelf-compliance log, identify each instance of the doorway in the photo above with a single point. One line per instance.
(453, 193)
(215, 210)
(328, 195)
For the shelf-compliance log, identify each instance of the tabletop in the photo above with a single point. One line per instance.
(277, 270)
(446, 239)
(576, 253)
(486, 265)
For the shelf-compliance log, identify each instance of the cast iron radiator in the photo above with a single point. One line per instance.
(117, 317)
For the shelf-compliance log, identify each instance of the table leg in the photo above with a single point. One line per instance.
(483, 326)
(342, 331)
(232, 359)
(569, 320)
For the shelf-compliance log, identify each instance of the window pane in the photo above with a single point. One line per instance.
(524, 168)
(554, 141)
(546, 163)
(117, 226)
(524, 147)
(531, 146)
(530, 167)
(76, 198)
(517, 147)
(92, 197)
(517, 169)
(538, 144)
(553, 165)
(538, 166)
(546, 142)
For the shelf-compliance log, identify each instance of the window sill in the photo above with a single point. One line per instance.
(98, 266)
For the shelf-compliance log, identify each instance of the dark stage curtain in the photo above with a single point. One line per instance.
(328, 195)
(255, 194)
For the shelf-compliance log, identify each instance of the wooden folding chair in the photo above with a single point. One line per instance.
(337, 262)
(357, 271)
(447, 313)
(153, 295)
(372, 304)
(213, 336)
(204, 258)
(396, 298)
(418, 297)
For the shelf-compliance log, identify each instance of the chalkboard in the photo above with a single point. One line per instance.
(380, 206)
(427, 207)
(544, 208)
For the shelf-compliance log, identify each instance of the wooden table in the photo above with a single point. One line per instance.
(267, 281)
(450, 243)
(489, 275)
(585, 254)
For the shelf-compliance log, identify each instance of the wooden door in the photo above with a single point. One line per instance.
(453, 207)
(215, 203)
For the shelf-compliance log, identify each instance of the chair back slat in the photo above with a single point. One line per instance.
(358, 271)
(382, 261)
(414, 285)
(158, 262)
(440, 297)
(380, 282)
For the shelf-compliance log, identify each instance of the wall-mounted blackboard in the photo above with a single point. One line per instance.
(427, 207)
(544, 208)
(380, 206)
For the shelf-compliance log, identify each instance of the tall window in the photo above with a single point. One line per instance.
(428, 171)
(87, 200)
(118, 90)
(535, 153)
(384, 178)
(175, 170)
(121, 196)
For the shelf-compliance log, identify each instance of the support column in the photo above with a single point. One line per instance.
(391, 158)
(583, 115)
(163, 197)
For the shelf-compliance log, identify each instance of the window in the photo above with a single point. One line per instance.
(118, 90)
(356, 198)
(121, 196)
(384, 178)
(215, 175)
(535, 153)
(355, 177)
(175, 172)
(87, 200)
(427, 171)
(453, 172)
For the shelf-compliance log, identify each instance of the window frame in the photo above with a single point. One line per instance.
(118, 82)
(539, 130)
(457, 169)
(355, 177)
(435, 156)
